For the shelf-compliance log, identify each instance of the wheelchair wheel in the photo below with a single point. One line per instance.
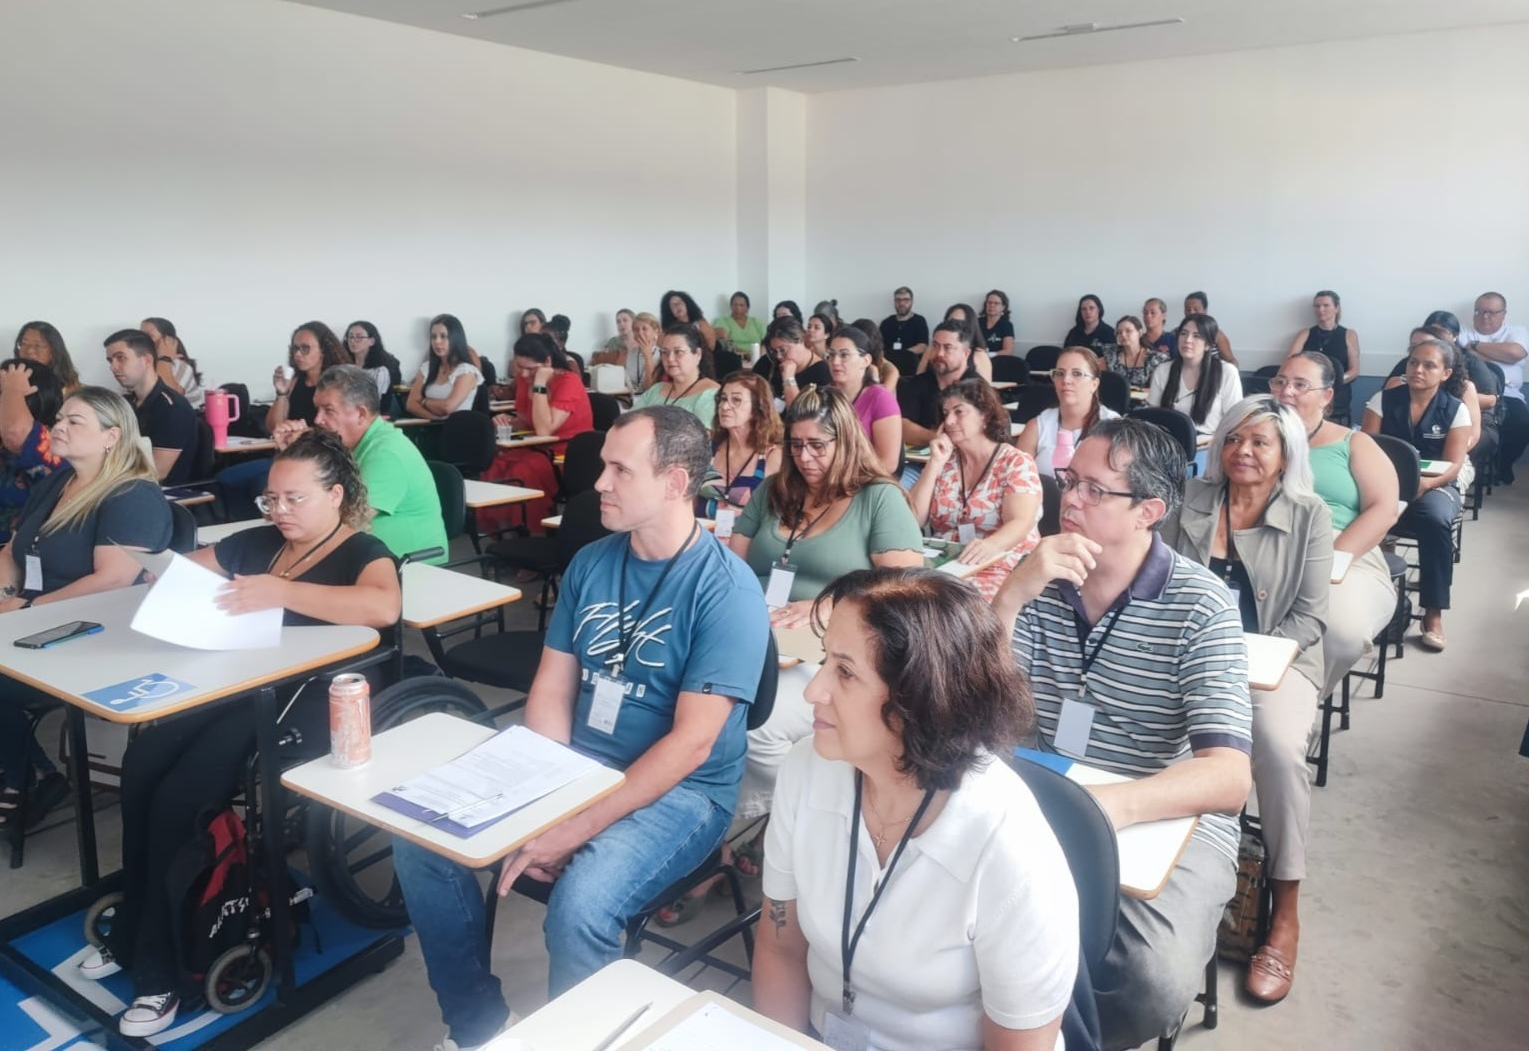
(237, 979)
(350, 860)
(98, 919)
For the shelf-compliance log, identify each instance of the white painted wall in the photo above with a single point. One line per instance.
(772, 196)
(1391, 169)
(243, 166)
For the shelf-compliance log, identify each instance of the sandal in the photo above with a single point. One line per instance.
(682, 911)
(748, 858)
(10, 806)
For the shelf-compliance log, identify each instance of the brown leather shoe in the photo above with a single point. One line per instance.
(1270, 974)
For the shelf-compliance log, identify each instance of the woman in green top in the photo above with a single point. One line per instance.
(741, 330)
(1357, 482)
(686, 366)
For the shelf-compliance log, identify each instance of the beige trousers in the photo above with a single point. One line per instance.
(1282, 724)
(1357, 610)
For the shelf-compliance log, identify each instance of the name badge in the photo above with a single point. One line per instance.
(844, 1034)
(726, 516)
(1074, 727)
(966, 532)
(33, 581)
(897, 345)
(607, 703)
(778, 593)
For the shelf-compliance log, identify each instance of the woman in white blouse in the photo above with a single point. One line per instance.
(1055, 433)
(447, 380)
(1197, 383)
(962, 910)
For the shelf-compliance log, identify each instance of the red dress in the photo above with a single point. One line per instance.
(532, 468)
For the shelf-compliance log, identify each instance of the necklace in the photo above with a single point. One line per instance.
(1313, 432)
(286, 574)
(880, 838)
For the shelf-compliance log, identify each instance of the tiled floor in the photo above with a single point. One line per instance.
(1416, 911)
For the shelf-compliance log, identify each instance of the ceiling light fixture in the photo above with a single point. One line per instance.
(1089, 28)
(473, 16)
(799, 65)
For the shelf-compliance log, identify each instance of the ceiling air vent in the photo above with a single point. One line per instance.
(799, 65)
(1089, 28)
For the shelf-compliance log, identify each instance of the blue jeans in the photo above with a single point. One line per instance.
(241, 484)
(609, 879)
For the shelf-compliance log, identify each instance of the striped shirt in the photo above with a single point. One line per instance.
(1168, 672)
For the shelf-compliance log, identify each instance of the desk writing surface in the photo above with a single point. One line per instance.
(434, 595)
(119, 654)
(236, 444)
(1434, 468)
(494, 494)
(412, 421)
(1268, 660)
(529, 442)
(1341, 562)
(587, 1013)
(419, 746)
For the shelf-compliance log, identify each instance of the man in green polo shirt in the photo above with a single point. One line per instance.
(399, 485)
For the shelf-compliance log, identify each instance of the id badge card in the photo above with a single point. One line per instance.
(966, 532)
(898, 345)
(778, 592)
(1074, 727)
(606, 707)
(33, 580)
(844, 1034)
(726, 516)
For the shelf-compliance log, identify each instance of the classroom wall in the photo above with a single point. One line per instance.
(244, 166)
(1391, 170)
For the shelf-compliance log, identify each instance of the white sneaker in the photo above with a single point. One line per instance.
(451, 1045)
(99, 964)
(150, 1015)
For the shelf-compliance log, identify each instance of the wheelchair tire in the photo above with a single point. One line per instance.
(98, 919)
(237, 979)
(350, 860)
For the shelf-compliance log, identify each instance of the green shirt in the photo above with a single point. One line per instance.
(703, 404)
(1333, 479)
(878, 519)
(401, 490)
(752, 331)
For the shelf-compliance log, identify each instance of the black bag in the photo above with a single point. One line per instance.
(209, 888)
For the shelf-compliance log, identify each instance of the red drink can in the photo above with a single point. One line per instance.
(350, 721)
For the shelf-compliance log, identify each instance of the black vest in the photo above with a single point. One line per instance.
(1432, 427)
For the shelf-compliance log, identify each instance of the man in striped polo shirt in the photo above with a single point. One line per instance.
(1138, 665)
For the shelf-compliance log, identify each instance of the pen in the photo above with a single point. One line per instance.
(464, 809)
(616, 1034)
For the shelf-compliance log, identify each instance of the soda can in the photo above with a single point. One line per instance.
(350, 721)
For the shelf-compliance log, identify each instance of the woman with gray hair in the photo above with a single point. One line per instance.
(1255, 520)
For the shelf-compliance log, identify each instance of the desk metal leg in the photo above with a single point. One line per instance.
(85, 813)
(272, 822)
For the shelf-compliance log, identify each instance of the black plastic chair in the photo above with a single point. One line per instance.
(1051, 507)
(905, 360)
(1042, 358)
(450, 491)
(604, 408)
(1009, 369)
(582, 463)
(469, 442)
(1254, 384)
(1114, 392)
(1177, 424)
(250, 424)
(1034, 399)
(182, 529)
(725, 362)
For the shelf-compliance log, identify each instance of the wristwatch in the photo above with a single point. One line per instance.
(789, 381)
(539, 390)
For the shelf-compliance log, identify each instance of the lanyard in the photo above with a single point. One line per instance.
(1231, 543)
(848, 944)
(799, 534)
(628, 629)
(1090, 656)
(681, 395)
(967, 494)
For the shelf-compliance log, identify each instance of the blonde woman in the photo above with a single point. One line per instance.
(68, 542)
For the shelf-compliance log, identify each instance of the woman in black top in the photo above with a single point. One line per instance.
(994, 324)
(314, 348)
(315, 564)
(68, 542)
(1089, 328)
(1338, 344)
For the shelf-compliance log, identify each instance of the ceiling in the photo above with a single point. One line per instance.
(909, 41)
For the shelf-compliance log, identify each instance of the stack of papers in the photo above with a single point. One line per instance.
(510, 770)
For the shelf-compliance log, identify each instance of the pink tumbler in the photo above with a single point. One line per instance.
(219, 402)
(1061, 455)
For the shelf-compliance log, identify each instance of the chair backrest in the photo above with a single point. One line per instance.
(582, 463)
(1254, 384)
(490, 374)
(1176, 423)
(1034, 399)
(205, 460)
(453, 495)
(182, 529)
(581, 526)
(1009, 369)
(1087, 839)
(726, 362)
(249, 424)
(1268, 372)
(604, 408)
(468, 441)
(769, 682)
(1403, 457)
(578, 362)
(481, 400)
(1114, 392)
(1051, 507)
(1042, 358)
(905, 360)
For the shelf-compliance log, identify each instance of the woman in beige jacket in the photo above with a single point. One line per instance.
(1256, 522)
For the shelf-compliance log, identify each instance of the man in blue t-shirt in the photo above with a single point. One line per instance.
(653, 655)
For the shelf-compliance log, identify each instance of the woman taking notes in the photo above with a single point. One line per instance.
(1357, 482)
(1255, 521)
(311, 562)
(978, 489)
(447, 380)
(1197, 382)
(897, 822)
(1055, 433)
(854, 372)
(686, 365)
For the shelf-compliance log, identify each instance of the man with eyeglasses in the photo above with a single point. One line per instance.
(903, 330)
(918, 397)
(399, 485)
(1138, 666)
(1507, 346)
(165, 417)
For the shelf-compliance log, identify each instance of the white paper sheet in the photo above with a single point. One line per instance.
(504, 773)
(181, 608)
(714, 1028)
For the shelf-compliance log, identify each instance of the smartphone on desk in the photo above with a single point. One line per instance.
(75, 629)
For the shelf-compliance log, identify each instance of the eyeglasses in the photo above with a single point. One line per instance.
(301, 348)
(1092, 493)
(357, 337)
(816, 446)
(1071, 374)
(270, 503)
(1279, 383)
(737, 401)
(1491, 313)
(845, 356)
